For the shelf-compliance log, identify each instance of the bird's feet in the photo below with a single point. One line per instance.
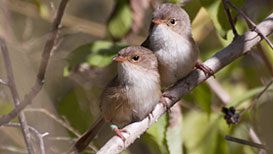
(119, 132)
(164, 102)
(208, 71)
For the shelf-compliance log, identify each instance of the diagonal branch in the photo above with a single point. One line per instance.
(251, 24)
(220, 92)
(237, 48)
(245, 142)
(15, 95)
(36, 132)
(43, 66)
(232, 24)
(58, 120)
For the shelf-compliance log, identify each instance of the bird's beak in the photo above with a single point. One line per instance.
(158, 21)
(119, 59)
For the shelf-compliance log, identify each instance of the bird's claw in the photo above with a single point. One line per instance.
(163, 101)
(208, 71)
(119, 132)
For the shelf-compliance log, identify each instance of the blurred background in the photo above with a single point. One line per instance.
(92, 32)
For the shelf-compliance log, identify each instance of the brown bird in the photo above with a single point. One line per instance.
(171, 40)
(131, 95)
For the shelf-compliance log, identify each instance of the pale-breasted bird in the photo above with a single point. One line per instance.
(171, 40)
(131, 95)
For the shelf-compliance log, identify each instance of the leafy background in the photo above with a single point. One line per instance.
(93, 31)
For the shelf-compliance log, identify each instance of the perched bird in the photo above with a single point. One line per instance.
(170, 38)
(131, 95)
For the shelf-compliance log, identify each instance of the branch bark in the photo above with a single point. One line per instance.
(15, 95)
(240, 46)
(36, 132)
(43, 66)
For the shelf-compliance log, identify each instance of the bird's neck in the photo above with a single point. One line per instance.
(130, 75)
(162, 37)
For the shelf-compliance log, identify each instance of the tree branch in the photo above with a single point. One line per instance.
(227, 11)
(254, 137)
(13, 149)
(250, 22)
(245, 142)
(15, 95)
(58, 120)
(43, 66)
(36, 132)
(220, 92)
(237, 48)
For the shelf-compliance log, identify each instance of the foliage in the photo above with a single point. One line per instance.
(94, 54)
(120, 21)
(202, 128)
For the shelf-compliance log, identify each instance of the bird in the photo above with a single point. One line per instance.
(170, 38)
(130, 96)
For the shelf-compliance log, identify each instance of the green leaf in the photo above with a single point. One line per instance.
(158, 131)
(174, 1)
(192, 7)
(218, 16)
(120, 21)
(70, 107)
(215, 10)
(5, 108)
(201, 134)
(202, 96)
(268, 51)
(94, 54)
(148, 141)
(43, 10)
(174, 134)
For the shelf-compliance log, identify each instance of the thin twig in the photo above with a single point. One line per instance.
(59, 138)
(58, 120)
(227, 11)
(13, 149)
(225, 98)
(250, 22)
(236, 49)
(43, 66)
(254, 137)
(41, 139)
(15, 95)
(256, 98)
(36, 132)
(61, 122)
(3, 82)
(245, 142)
(93, 28)
(216, 87)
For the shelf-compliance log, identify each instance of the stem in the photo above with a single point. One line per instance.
(15, 95)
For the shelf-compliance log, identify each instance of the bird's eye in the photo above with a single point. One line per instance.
(173, 21)
(135, 58)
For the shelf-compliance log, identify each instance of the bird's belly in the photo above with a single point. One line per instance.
(122, 117)
(174, 64)
(138, 107)
(144, 102)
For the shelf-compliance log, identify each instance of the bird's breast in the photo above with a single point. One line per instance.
(142, 90)
(176, 54)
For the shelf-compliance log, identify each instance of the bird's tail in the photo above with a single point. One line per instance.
(87, 137)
